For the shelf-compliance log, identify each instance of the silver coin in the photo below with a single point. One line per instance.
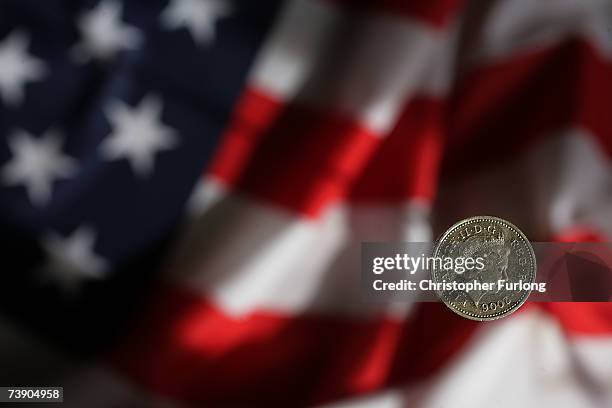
(503, 262)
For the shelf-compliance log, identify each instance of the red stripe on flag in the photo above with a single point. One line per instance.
(254, 115)
(406, 164)
(581, 318)
(500, 110)
(295, 156)
(593, 319)
(436, 13)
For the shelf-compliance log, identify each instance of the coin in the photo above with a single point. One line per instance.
(501, 278)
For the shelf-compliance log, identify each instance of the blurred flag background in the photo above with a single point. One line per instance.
(185, 184)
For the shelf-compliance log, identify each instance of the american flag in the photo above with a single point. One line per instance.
(185, 185)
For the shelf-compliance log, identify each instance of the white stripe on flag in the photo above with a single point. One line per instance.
(521, 361)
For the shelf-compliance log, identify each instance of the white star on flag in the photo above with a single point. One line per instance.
(17, 67)
(36, 164)
(104, 34)
(72, 259)
(197, 16)
(137, 134)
